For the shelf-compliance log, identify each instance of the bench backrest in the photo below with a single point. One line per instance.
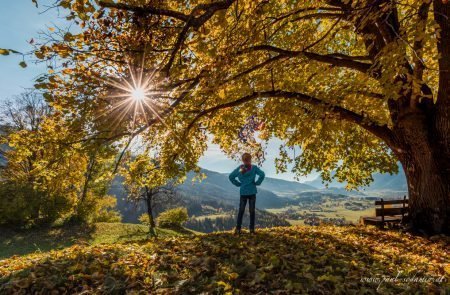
(391, 207)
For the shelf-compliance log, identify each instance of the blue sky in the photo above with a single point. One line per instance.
(20, 21)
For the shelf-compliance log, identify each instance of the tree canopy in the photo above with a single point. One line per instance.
(358, 85)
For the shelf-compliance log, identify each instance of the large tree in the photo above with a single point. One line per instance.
(40, 176)
(48, 170)
(357, 84)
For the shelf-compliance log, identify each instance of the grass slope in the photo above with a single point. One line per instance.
(43, 240)
(290, 260)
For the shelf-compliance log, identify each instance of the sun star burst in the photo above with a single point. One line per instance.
(138, 94)
(138, 100)
(133, 99)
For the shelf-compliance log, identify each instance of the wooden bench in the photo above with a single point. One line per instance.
(390, 212)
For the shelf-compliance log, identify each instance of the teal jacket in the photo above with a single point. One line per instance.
(247, 182)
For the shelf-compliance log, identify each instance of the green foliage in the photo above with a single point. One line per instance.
(291, 260)
(141, 172)
(49, 172)
(94, 205)
(144, 172)
(97, 208)
(19, 204)
(173, 218)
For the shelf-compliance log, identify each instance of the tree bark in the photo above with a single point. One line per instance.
(428, 197)
(151, 219)
(87, 180)
(426, 169)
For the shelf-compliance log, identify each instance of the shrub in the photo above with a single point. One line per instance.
(19, 205)
(144, 219)
(23, 205)
(173, 217)
(98, 209)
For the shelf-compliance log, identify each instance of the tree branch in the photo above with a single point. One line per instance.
(306, 9)
(191, 20)
(254, 68)
(339, 60)
(381, 131)
(195, 22)
(419, 40)
(146, 10)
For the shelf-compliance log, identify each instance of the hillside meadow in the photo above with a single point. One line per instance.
(23, 242)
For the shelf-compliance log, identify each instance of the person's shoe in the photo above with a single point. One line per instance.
(237, 232)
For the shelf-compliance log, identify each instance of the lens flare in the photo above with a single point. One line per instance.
(136, 100)
(138, 94)
(133, 99)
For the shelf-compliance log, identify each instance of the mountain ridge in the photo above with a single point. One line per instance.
(381, 181)
(218, 192)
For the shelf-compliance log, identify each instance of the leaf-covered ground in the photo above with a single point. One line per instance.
(291, 260)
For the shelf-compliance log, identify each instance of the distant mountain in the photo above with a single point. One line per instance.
(284, 188)
(217, 186)
(381, 182)
(217, 192)
(394, 182)
(214, 191)
(318, 183)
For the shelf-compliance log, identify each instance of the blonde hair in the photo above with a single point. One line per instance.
(246, 156)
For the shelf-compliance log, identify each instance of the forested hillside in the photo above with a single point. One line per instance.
(214, 191)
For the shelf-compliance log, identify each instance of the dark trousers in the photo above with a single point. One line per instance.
(251, 204)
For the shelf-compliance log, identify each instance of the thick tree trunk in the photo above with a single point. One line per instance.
(424, 130)
(429, 196)
(426, 167)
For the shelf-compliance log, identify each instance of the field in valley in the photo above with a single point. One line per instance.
(327, 209)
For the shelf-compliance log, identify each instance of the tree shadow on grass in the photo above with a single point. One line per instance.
(284, 260)
(140, 235)
(22, 242)
(133, 235)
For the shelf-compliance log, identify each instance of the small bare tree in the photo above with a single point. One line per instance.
(145, 185)
(24, 112)
(157, 198)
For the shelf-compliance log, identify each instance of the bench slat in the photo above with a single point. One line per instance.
(391, 202)
(386, 218)
(390, 211)
(378, 220)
